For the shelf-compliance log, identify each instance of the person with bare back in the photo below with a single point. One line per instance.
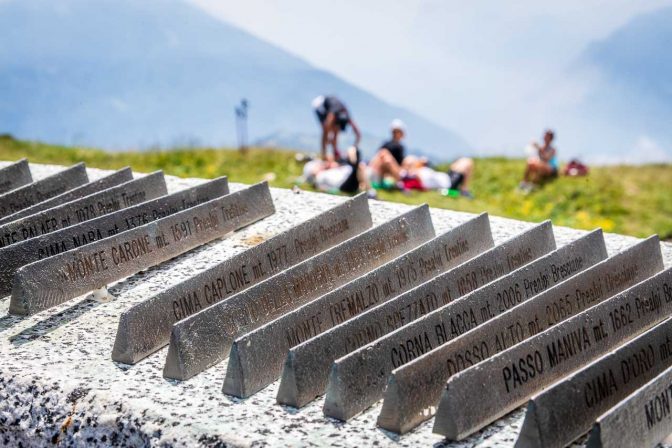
(334, 118)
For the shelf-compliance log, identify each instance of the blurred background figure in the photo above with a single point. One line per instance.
(542, 165)
(334, 118)
(576, 168)
(456, 181)
(388, 161)
(347, 175)
(241, 124)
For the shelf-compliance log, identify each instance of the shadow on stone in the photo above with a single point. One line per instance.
(424, 426)
(8, 321)
(288, 409)
(52, 323)
(389, 434)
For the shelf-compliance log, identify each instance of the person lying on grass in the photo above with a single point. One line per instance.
(422, 177)
(347, 176)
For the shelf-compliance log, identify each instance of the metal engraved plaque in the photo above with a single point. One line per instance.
(14, 176)
(29, 195)
(566, 410)
(347, 395)
(25, 252)
(516, 374)
(109, 181)
(205, 338)
(643, 419)
(50, 282)
(414, 389)
(256, 358)
(146, 327)
(89, 207)
(306, 370)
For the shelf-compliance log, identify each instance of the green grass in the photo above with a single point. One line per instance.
(633, 200)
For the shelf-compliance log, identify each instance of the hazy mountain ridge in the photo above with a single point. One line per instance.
(120, 74)
(628, 105)
(638, 54)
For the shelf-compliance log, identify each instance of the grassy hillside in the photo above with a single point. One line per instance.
(623, 199)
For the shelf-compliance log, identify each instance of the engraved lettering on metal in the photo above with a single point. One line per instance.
(50, 282)
(306, 369)
(347, 395)
(109, 181)
(14, 176)
(205, 338)
(33, 193)
(256, 358)
(516, 374)
(643, 419)
(565, 411)
(49, 245)
(89, 207)
(414, 389)
(146, 327)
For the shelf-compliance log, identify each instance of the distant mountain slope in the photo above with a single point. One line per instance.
(639, 55)
(123, 73)
(627, 108)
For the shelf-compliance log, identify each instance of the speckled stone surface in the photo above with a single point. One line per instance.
(59, 384)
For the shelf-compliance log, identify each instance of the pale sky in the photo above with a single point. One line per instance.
(475, 67)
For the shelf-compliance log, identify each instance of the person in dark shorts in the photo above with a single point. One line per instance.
(334, 118)
(456, 179)
(352, 183)
(347, 176)
(388, 161)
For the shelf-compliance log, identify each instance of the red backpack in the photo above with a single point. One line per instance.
(576, 168)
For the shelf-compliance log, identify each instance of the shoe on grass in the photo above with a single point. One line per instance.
(466, 194)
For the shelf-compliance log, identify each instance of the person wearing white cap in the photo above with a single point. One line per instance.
(334, 118)
(389, 159)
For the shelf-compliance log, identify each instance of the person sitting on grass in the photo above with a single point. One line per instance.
(422, 177)
(388, 161)
(331, 176)
(541, 166)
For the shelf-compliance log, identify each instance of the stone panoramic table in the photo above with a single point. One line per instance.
(60, 384)
(306, 371)
(95, 186)
(414, 389)
(51, 244)
(643, 419)
(347, 395)
(14, 176)
(516, 374)
(256, 359)
(581, 398)
(205, 338)
(146, 327)
(54, 280)
(43, 189)
(79, 210)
